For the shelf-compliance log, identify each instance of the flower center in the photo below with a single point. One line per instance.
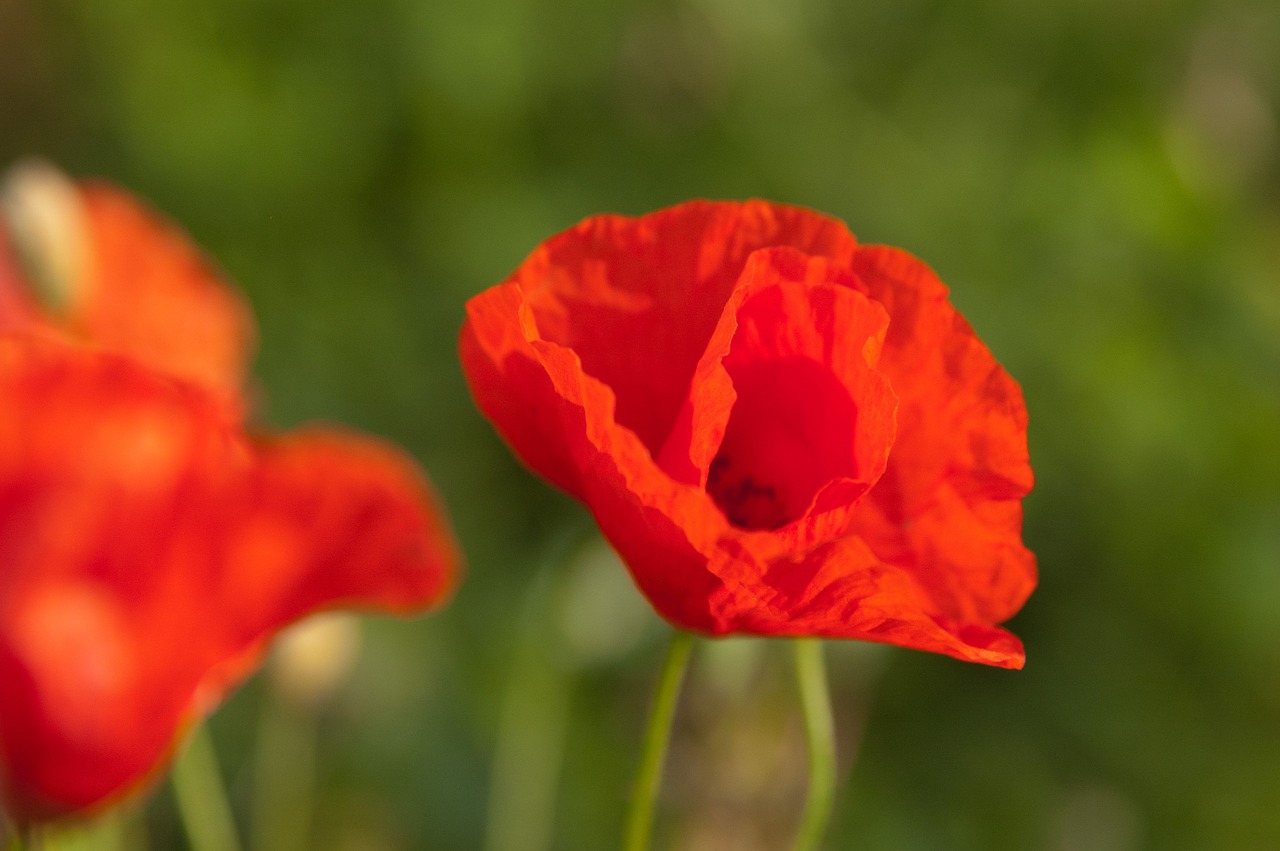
(790, 432)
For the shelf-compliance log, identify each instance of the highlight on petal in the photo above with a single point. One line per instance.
(780, 432)
(150, 550)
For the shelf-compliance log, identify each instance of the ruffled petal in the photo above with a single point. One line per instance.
(948, 507)
(511, 388)
(699, 429)
(843, 590)
(638, 299)
(662, 528)
(813, 420)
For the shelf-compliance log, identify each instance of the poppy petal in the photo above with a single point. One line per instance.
(152, 295)
(948, 508)
(841, 589)
(91, 262)
(509, 386)
(349, 511)
(813, 419)
(150, 550)
(99, 459)
(638, 299)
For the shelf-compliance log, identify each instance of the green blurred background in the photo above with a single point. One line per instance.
(1097, 180)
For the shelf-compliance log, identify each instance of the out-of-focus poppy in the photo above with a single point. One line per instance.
(149, 547)
(781, 431)
(88, 262)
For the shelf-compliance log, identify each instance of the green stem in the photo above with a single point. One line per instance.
(815, 702)
(107, 832)
(284, 776)
(202, 800)
(640, 814)
(530, 749)
(531, 736)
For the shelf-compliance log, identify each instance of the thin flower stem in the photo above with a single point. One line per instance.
(640, 815)
(107, 832)
(532, 732)
(530, 749)
(202, 800)
(284, 776)
(815, 702)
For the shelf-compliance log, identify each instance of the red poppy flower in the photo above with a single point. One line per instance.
(781, 431)
(149, 548)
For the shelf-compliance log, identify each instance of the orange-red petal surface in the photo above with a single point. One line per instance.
(148, 550)
(148, 547)
(151, 294)
(120, 277)
(949, 507)
(716, 382)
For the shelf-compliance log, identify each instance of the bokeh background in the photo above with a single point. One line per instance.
(1097, 180)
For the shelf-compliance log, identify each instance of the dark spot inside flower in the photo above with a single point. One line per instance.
(789, 433)
(744, 500)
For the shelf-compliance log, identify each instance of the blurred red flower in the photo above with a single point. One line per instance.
(782, 432)
(89, 264)
(149, 547)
